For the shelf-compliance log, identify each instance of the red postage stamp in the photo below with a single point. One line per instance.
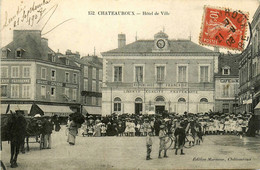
(223, 28)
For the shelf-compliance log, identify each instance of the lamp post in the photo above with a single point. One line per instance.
(252, 94)
(169, 106)
(236, 103)
(150, 103)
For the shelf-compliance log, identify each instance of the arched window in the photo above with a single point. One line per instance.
(138, 100)
(159, 99)
(117, 104)
(204, 100)
(181, 100)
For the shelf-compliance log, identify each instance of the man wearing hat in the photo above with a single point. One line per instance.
(180, 137)
(47, 131)
(162, 136)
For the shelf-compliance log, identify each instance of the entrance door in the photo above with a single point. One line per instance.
(159, 109)
(138, 108)
(138, 105)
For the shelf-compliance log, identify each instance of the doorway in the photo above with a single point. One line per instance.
(138, 108)
(159, 109)
(138, 105)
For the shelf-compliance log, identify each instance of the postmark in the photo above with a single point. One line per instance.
(224, 27)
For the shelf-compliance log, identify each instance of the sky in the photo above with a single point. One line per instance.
(67, 24)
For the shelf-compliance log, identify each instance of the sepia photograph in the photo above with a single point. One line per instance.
(128, 84)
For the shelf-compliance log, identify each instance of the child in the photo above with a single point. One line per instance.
(149, 144)
(227, 126)
(103, 130)
(199, 133)
(120, 129)
(221, 126)
(90, 130)
(239, 126)
(84, 128)
(162, 135)
(141, 129)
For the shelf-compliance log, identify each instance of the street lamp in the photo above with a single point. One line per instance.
(169, 106)
(236, 103)
(150, 103)
(252, 89)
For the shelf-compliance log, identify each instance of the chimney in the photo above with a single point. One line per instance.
(44, 45)
(44, 42)
(216, 49)
(121, 40)
(77, 54)
(68, 52)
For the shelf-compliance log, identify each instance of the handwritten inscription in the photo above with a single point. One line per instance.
(32, 15)
(24, 14)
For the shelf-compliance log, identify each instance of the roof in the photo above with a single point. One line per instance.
(147, 46)
(34, 47)
(256, 16)
(160, 35)
(88, 60)
(231, 61)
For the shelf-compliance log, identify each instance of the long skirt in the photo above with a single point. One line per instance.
(71, 139)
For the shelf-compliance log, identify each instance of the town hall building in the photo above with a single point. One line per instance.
(151, 76)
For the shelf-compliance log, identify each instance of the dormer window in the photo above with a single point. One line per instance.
(67, 62)
(19, 52)
(5, 52)
(53, 58)
(226, 70)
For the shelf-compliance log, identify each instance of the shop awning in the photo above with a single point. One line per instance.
(92, 110)
(25, 107)
(257, 106)
(3, 108)
(50, 110)
(257, 94)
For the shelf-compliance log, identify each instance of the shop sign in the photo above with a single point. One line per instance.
(16, 81)
(229, 81)
(54, 83)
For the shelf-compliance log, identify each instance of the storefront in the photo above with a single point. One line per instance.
(26, 108)
(91, 110)
(51, 110)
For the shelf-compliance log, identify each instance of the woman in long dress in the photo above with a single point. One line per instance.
(72, 128)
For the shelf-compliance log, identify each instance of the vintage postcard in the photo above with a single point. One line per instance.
(128, 84)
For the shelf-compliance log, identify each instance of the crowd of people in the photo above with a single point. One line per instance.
(177, 126)
(141, 125)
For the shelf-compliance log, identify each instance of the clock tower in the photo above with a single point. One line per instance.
(161, 43)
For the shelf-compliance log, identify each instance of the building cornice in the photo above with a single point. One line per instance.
(40, 61)
(160, 54)
(229, 76)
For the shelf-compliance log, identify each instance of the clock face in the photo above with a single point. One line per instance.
(160, 43)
